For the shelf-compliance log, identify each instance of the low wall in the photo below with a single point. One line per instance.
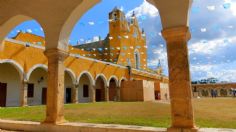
(139, 90)
(73, 127)
(164, 91)
(148, 91)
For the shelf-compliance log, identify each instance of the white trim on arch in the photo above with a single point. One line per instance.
(123, 78)
(18, 67)
(89, 75)
(72, 75)
(103, 77)
(115, 78)
(33, 68)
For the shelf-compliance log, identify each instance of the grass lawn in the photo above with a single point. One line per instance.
(218, 113)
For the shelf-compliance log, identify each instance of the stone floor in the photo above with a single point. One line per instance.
(6, 131)
(201, 130)
(217, 130)
(87, 127)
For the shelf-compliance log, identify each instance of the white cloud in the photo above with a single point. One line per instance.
(91, 23)
(160, 54)
(29, 30)
(203, 30)
(209, 47)
(214, 70)
(211, 8)
(228, 4)
(144, 9)
(122, 8)
(233, 8)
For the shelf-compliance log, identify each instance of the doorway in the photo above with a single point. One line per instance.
(98, 95)
(3, 94)
(68, 95)
(44, 96)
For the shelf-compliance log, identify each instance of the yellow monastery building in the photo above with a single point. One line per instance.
(113, 69)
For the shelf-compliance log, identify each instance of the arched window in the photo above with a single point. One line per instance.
(137, 59)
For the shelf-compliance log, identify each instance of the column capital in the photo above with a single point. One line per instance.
(56, 53)
(25, 81)
(181, 33)
(76, 85)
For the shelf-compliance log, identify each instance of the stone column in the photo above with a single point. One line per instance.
(23, 93)
(93, 94)
(75, 90)
(107, 94)
(55, 90)
(200, 92)
(218, 93)
(118, 94)
(209, 92)
(228, 92)
(179, 79)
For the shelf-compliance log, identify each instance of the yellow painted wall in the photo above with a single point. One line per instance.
(27, 57)
(126, 38)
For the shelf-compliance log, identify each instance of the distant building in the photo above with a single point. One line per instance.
(125, 43)
(113, 69)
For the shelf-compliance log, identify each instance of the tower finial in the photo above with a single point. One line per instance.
(115, 8)
(159, 64)
(159, 67)
(142, 30)
(133, 13)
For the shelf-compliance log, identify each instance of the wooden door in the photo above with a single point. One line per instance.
(3, 94)
(98, 95)
(44, 96)
(68, 95)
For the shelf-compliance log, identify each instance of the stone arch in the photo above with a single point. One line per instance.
(103, 78)
(121, 86)
(122, 79)
(113, 84)
(85, 87)
(37, 82)
(18, 67)
(100, 87)
(223, 92)
(178, 8)
(115, 78)
(137, 58)
(11, 79)
(35, 67)
(73, 18)
(89, 75)
(10, 24)
(72, 75)
(69, 83)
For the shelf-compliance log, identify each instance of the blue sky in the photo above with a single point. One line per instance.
(211, 49)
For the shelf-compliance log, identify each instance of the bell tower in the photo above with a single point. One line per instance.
(118, 26)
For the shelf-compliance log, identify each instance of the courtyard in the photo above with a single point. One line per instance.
(209, 113)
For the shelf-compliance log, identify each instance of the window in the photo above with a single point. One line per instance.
(85, 91)
(115, 16)
(137, 59)
(30, 92)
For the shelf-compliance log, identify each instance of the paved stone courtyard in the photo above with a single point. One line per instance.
(91, 127)
(201, 130)
(6, 131)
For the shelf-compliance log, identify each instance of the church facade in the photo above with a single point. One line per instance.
(113, 69)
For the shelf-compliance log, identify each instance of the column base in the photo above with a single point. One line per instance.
(57, 122)
(24, 105)
(177, 129)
